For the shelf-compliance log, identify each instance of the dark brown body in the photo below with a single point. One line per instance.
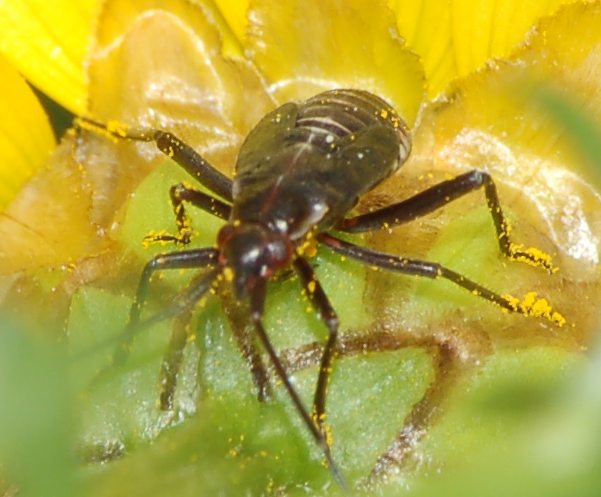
(303, 167)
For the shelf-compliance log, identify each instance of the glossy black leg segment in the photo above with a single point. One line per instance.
(185, 259)
(243, 332)
(194, 164)
(328, 315)
(179, 194)
(174, 148)
(437, 196)
(415, 267)
(257, 303)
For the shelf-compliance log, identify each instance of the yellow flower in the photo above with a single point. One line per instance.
(58, 49)
(467, 76)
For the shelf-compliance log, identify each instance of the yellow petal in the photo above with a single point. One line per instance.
(183, 75)
(306, 46)
(426, 26)
(48, 222)
(26, 138)
(234, 12)
(455, 38)
(48, 42)
(492, 28)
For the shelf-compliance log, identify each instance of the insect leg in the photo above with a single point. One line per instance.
(179, 194)
(439, 195)
(257, 302)
(182, 310)
(243, 332)
(328, 315)
(530, 307)
(449, 361)
(172, 360)
(173, 147)
(185, 259)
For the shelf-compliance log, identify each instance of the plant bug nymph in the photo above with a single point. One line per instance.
(299, 173)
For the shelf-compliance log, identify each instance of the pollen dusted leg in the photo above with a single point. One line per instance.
(179, 194)
(531, 306)
(174, 148)
(257, 303)
(185, 259)
(452, 357)
(436, 197)
(328, 315)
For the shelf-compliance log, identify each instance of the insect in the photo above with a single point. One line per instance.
(299, 173)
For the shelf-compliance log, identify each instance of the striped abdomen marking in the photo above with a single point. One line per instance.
(326, 118)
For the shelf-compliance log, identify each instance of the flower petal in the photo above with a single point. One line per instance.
(48, 42)
(492, 28)
(183, 79)
(48, 222)
(456, 38)
(234, 12)
(26, 138)
(307, 46)
(426, 27)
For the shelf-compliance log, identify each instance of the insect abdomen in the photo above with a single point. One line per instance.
(332, 115)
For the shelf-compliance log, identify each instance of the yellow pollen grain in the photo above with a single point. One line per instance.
(532, 256)
(532, 305)
(513, 302)
(329, 437)
(155, 237)
(308, 247)
(228, 274)
(558, 319)
(311, 286)
(117, 128)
